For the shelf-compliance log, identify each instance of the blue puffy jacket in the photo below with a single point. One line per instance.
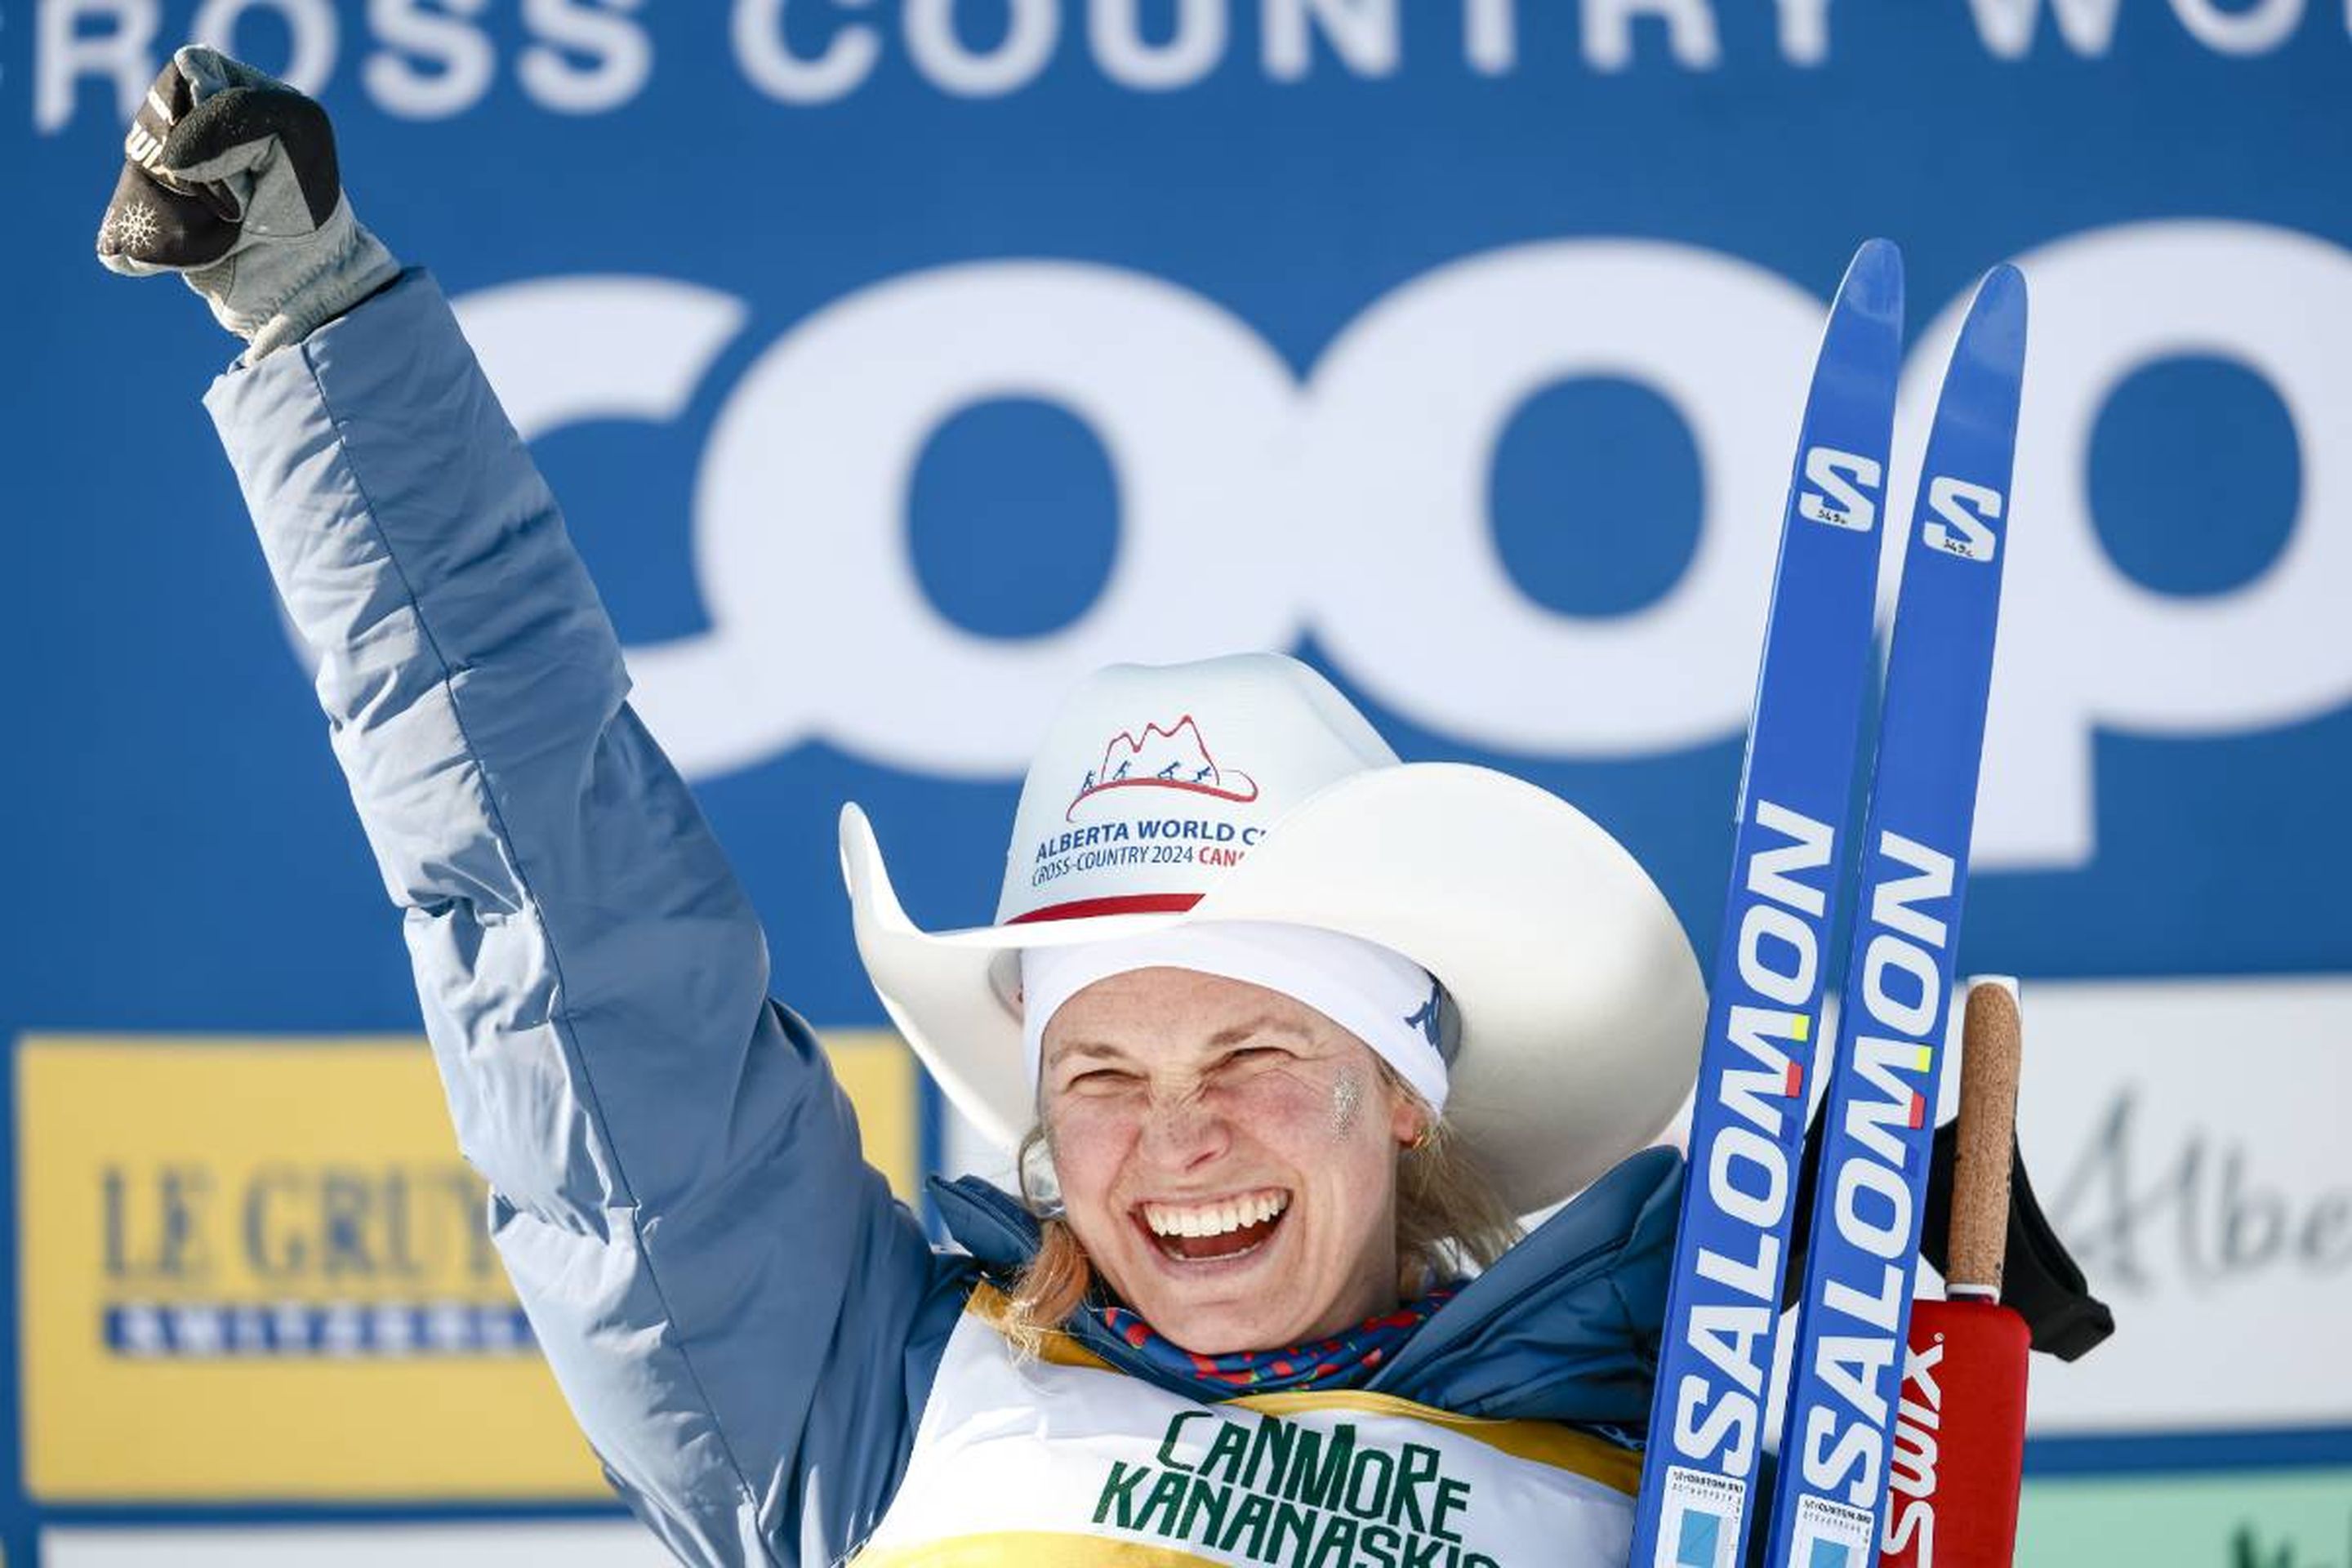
(745, 1322)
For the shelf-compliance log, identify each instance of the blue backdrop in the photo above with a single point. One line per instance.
(1311, 175)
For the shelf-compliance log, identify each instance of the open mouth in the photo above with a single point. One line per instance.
(1227, 1227)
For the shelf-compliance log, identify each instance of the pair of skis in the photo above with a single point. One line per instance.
(1788, 882)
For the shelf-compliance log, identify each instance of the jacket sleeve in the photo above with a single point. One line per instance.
(742, 1319)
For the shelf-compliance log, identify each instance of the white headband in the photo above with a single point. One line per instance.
(1384, 998)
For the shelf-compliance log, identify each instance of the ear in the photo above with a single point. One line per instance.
(1407, 1119)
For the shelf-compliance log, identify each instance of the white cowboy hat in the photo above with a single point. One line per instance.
(1247, 788)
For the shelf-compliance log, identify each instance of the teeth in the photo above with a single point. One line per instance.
(1213, 1219)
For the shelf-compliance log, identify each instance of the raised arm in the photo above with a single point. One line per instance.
(735, 1307)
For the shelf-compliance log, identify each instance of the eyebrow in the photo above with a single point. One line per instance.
(1264, 1024)
(1084, 1048)
(1232, 1035)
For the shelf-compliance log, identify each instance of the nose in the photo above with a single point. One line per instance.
(1183, 1132)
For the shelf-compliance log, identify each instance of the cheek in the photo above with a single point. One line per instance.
(1352, 1149)
(1090, 1142)
(1293, 1116)
(1297, 1100)
(1347, 1104)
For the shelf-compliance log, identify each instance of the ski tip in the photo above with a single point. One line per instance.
(1999, 305)
(1874, 279)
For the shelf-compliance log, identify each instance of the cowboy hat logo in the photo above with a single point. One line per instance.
(1173, 757)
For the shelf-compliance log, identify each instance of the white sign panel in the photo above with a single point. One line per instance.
(2188, 1140)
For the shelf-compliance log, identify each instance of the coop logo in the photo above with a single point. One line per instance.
(1172, 758)
(1258, 509)
(1847, 1355)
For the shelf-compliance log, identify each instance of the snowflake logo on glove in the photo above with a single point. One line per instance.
(133, 229)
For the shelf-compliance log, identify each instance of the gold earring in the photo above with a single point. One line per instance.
(1423, 1139)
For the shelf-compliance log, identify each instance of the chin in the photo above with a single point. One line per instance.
(1219, 1319)
(1221, 1331)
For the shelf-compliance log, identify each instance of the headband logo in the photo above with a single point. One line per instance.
(1175, 757)
(1426, 1018)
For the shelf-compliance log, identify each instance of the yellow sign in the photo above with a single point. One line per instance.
(257, 1269)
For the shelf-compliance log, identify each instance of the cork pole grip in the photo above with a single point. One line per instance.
(1989, 1065)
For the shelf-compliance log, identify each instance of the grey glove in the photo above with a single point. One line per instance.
(229, 180)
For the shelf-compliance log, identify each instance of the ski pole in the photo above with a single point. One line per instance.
(1960, 1434)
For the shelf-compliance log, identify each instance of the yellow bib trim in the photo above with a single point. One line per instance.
(1563, 1448)
(1570, 1449)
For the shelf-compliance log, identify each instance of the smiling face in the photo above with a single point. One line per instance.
(1227, 1156)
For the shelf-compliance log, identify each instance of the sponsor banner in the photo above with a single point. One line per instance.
(259, 1268)
(2186, 1140)
(1354, 509)
(619, 1543)
(2297, 1519)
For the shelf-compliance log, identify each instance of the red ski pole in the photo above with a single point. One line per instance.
(1959, 1436)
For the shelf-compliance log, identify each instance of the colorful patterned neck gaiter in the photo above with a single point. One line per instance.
(1343, 1361)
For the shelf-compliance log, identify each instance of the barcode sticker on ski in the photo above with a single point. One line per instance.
(1831, 1535)
(1702, 1519)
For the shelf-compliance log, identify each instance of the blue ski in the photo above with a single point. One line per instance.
(1856, 1304)
(1706, 1419)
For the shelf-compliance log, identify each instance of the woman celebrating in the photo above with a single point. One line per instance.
(1287, 1031)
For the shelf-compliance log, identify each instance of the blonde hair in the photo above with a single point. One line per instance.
(1449, 1220)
